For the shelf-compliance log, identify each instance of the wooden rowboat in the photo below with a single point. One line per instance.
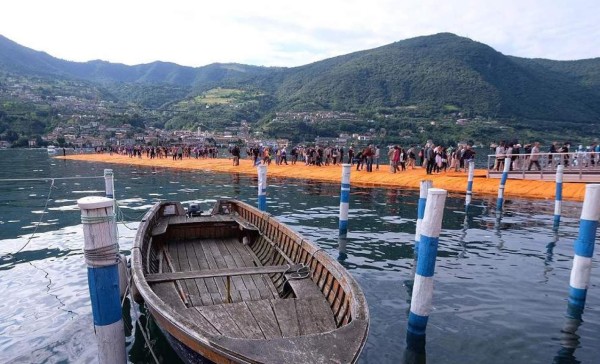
(238, 286)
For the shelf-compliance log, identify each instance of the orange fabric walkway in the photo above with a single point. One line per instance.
(451, 181)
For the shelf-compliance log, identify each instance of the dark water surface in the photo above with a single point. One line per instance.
(500, 286)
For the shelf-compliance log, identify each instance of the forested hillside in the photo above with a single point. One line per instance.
(398, 87)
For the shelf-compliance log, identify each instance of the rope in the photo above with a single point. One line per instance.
(45, 179)
(139, 324)
(41, 217)
(99, 256)
(90, 220)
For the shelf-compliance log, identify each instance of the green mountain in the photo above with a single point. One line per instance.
(436, 76)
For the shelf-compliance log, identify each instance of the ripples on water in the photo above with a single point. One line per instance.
(500, 285)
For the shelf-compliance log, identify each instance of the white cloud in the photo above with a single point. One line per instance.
(281, 33)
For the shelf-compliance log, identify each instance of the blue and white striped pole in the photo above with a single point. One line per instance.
(584, 251)
(500, 202)
(345, 199)
(470, 176)
(262, 187)
(422, 294)
(101, 255)
(424, 188)
(109, 185)
(558, 199)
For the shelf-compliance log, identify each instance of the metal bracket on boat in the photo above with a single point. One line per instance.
(298, 272)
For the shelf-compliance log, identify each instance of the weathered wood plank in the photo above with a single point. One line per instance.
(212, 265)
(205, 298)
(161, 227)
(238, 282)
(244, 319)
(195, 319)
(254, 283)
(304, 287)
(265, 317)
(173, 266)
(189, 287)
(220, 319)
(168, 293)
(211, 285)
(287, 316)
(321, 314)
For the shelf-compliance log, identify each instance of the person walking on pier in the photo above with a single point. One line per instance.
(500, 155)
(535, 156)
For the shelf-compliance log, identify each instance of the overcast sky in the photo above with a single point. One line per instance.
(291, 33)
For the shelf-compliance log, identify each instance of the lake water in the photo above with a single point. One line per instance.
(501, 285)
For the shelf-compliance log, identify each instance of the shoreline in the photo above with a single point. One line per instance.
(455, 182)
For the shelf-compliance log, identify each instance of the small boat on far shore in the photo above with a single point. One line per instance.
(238, 286)
(51, 149)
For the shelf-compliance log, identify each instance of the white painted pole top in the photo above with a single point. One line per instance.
(94, 202)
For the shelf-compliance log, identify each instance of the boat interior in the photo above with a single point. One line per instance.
(235, 273)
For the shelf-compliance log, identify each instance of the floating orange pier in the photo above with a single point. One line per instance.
(451, 181)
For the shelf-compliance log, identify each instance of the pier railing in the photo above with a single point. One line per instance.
(582, 166)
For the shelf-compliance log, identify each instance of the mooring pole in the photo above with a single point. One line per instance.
(344, 199)
(109, 186)
(262, 187)
(422, 294)
(584, 251)
(500, 202)
(558, 199)
(424, 188)
(470, 184)
(101, 255)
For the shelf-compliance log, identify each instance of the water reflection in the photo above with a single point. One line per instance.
(415, 349)
(549, 256)
(569, 339)
(342, 248)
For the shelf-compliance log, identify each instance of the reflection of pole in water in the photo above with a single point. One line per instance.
(463, 235)
(497, 225)
(415, 349)
(549, 255)
(569, 340)
(342, 242)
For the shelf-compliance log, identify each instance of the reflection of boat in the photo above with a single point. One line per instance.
(51, 149)
(239, 286)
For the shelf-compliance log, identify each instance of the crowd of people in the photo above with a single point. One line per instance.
(434, 158)
(531, 156)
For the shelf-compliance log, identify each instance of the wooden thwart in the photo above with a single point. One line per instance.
(229, 272)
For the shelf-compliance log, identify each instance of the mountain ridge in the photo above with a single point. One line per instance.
(436, 75)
